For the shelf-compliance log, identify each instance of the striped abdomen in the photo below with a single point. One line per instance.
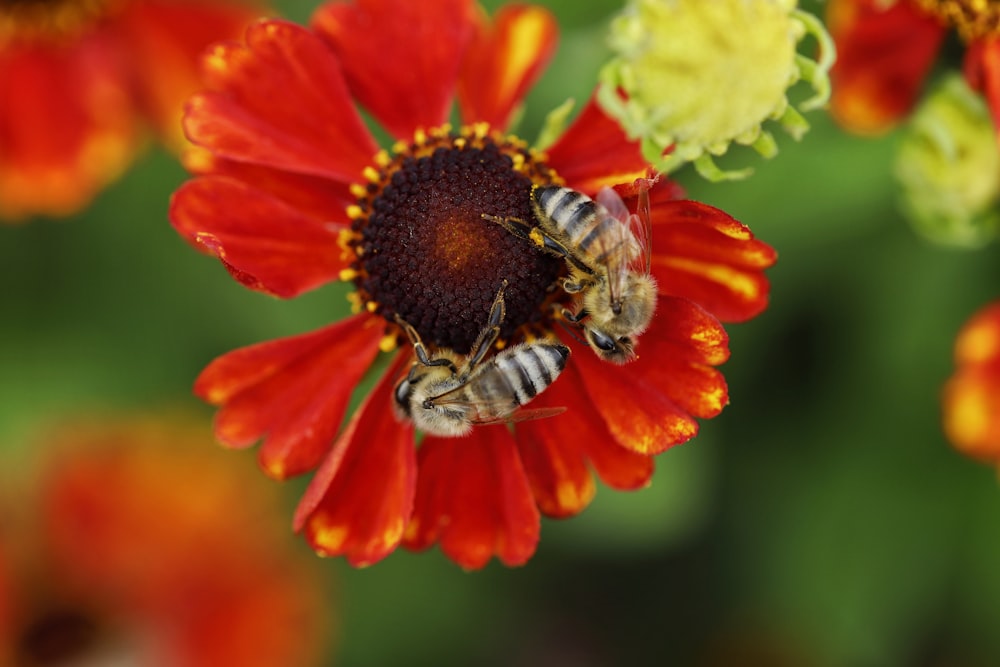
(515, 376)
(577, 221)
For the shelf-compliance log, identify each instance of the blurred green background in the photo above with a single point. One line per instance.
(822, 519)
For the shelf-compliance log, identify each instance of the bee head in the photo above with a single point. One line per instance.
(616, 350)
(403, 394)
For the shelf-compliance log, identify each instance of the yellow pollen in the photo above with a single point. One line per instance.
(461, 143)
(355, 212)
(357, 190)
(400, 147)
(973, 19)
(346, 238)
(355, 300)
(440, 131)
(371, 174)
(371, 306)
(347, 274)
(388, 343)
(419, 137)
(382, 159)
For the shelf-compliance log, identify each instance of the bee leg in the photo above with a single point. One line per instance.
(488, 336)
(570, 316)
(579, 279)
(558, 248)
(515, 226)
(420, 349)
(570, 322)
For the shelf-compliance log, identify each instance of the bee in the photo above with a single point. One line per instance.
(608, 254)
(446, 395)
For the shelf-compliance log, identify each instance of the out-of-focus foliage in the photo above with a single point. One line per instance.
(822, 514)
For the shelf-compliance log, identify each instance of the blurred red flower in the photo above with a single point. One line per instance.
(972, 394)
(138, 544)
(77, 77)
(885, 51)
(289, 183)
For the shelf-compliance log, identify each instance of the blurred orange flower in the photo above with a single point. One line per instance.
(76, 76)
(139, 543)
(972, 394)
(886, 48)
(290, 200)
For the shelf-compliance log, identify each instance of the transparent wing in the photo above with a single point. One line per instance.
(641, 225)
(612, 202)
(486, 397)
(618, 246)
(523, 415)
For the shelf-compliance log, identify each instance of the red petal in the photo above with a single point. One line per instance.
(884, 52)
(360, 499)
(291, 391)
(972, 396)
(266, 244)
(555, 451)
(473, 496)
(555, 460)
(647, 409)
(971, 402)
(67, 125)
(594, 152)
(319, 198)
(979, 340)
(401, 59)
(281, 101)
(677, 356)
(503, 61)
(703, 254)
(165, 42)
(982, 69)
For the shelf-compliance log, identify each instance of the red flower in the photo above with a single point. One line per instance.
(75, 78)
(293, 192)
(135, 545)
(886, 49)
(972, 394)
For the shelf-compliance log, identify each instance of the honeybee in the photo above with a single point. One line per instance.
(446, 394)
(607, 250)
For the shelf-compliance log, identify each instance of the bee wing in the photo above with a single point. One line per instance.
(641, 224)
(612, 202)
(618, 245)
(523, 415)
(487, 396)
(480, 410)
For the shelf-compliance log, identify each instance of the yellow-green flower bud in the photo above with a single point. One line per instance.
(948, 165)
(694, 76)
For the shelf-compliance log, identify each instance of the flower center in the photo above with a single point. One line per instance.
(58, 636)
(29, 20)
(973, 19)
(423, 250)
